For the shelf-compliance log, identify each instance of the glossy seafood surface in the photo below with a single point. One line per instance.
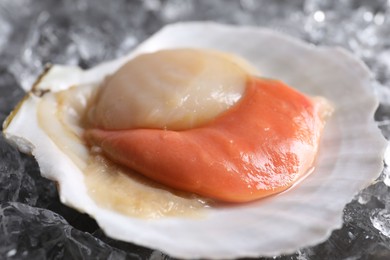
(170, 89)
(258, 147)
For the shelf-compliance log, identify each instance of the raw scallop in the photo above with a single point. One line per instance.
(350, 156)
(170, 89)
(258, 147)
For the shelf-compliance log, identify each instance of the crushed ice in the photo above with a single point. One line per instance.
(86, 32)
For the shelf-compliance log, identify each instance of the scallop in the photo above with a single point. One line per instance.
(170, 95)
(49, 123)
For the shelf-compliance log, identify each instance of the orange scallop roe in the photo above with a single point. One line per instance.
(258, 147)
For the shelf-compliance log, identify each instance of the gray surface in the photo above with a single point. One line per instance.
(86, 32)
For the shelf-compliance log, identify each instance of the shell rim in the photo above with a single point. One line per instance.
(338, 50)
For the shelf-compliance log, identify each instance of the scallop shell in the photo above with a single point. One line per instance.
(350, 158)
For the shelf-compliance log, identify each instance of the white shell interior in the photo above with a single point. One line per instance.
(351, 152)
